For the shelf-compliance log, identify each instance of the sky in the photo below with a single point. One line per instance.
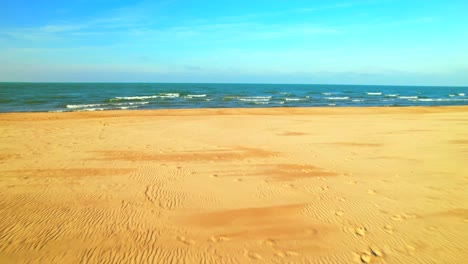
(394, 42)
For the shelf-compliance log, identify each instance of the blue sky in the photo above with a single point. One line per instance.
(403, 42)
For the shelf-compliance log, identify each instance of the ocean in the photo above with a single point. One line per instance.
(64, 97)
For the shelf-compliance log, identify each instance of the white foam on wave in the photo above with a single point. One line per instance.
(408, 97)
(452, 95)
(106, 108)
(137, 97)
(195, 95)
(146, 97)
(373, 93)
(327, 93)
(442, 100)
(357, 100)
(461, 94)
(254, 98)
(294, 99)
(134, 103)
(127, 107)
(80, 106)
(93, 109)
(392, 95)
(337, 98)
(168, 95)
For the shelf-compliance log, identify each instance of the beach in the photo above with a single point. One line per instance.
(252, 185)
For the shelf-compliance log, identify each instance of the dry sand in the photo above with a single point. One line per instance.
(318, 185)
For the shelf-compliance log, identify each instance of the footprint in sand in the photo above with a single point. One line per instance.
(341, 199)
(253, 255)
(217, 239)
(339, 213)
(376, 251)
(280, 254)
(403, 216)
(409, 216)
(214, 176)
(410, 250)
(185, 240)
(388, 229)
(366, 257)
(371, 192)
(397, 217)
(269, 242)
(361, 231)
(288, 253)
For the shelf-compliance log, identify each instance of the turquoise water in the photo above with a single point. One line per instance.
(60, 97)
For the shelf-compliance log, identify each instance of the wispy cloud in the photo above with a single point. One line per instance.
(312, 8)
(60, 28)
(134, 31)
(140, 20)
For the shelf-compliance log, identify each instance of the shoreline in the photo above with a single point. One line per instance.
(249, 111)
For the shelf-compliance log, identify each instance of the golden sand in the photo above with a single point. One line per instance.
(300, 185)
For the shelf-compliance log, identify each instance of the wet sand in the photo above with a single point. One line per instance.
(301, 185)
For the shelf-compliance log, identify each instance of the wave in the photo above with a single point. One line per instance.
(294, 99)
(459, 94)
(146, 97)
(82, 106)
(79, 106)
(442, 100)
(392, 95)
(169, 95)
(373, 93)
(136, 97)
(105, 108)
(327, 93)
(195, 95)
(337, 98)
(254, 98)
(408, 97)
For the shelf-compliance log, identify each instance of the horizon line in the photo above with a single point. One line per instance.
(349, 84)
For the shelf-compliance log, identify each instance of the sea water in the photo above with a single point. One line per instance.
(62, 97)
